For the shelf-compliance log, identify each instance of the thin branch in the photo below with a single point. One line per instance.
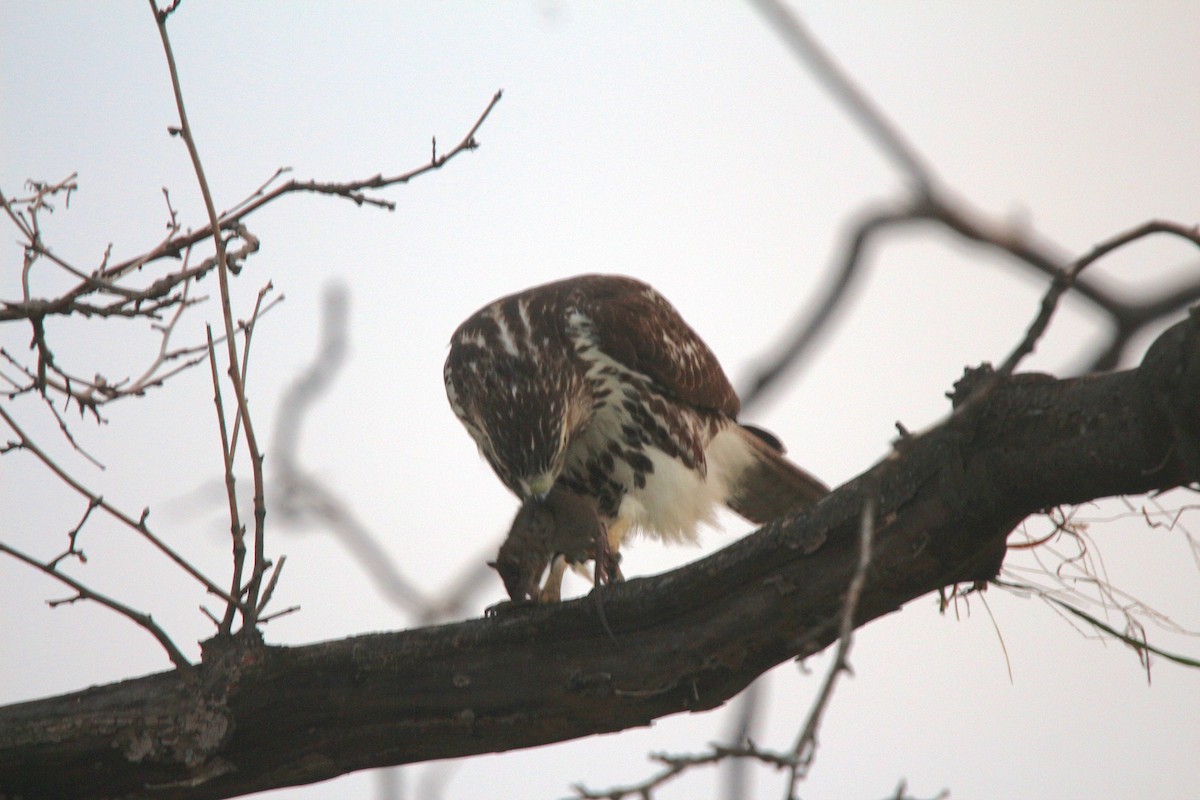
(90, 395)
(66, 430)
(145, 621)
(73, 538)
(856, 102)
(736, 770)
(352, 190)
(165, 330)
(1065, 279)
(139, 525)
(266, 595)
(45, 376)
(259, 192)
(175, 244)
(283, 612)
(250, 610)
(1128, 318)
(248, 327)
(805, 748)
(202, 349)
(237, 531)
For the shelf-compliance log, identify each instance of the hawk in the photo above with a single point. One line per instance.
(602, 410)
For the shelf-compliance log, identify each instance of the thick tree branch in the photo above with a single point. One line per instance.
(687, 640)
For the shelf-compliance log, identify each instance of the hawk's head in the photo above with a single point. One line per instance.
(521, 401)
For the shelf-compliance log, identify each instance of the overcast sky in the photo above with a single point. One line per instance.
(676, 142)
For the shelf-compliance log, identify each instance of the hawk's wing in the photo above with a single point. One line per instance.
(636, 327)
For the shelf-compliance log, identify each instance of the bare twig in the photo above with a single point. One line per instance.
(886, 135)
(138, 525)
(237, 531)
(174, 243)
(145, 621)
(353, 190)
(266, 595)
(736, 773)
(805, 747)
(90, 395)
(283, 612)
(163, 294)
(73, 538)
(250, 610)
(201, 350)
(676, 764)
(1071, 577)
(166, 331)
(65, 429)
(1065, 279)
(248, 327)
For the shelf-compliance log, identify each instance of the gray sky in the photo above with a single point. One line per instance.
(679, 143)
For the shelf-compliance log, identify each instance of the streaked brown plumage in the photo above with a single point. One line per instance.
(595, 384)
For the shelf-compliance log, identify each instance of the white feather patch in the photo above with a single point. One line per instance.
(677, 500)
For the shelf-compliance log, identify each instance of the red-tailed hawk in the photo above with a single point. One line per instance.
(594, 387)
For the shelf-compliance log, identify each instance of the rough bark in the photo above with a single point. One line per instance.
(260, 717)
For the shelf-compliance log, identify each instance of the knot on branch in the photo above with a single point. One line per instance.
(194, 723)
(225, 652)
(973, 379)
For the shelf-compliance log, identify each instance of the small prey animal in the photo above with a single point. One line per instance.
(559, 530)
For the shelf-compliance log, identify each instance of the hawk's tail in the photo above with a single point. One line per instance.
(771, 486)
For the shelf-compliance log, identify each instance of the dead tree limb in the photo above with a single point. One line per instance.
(688, 640)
